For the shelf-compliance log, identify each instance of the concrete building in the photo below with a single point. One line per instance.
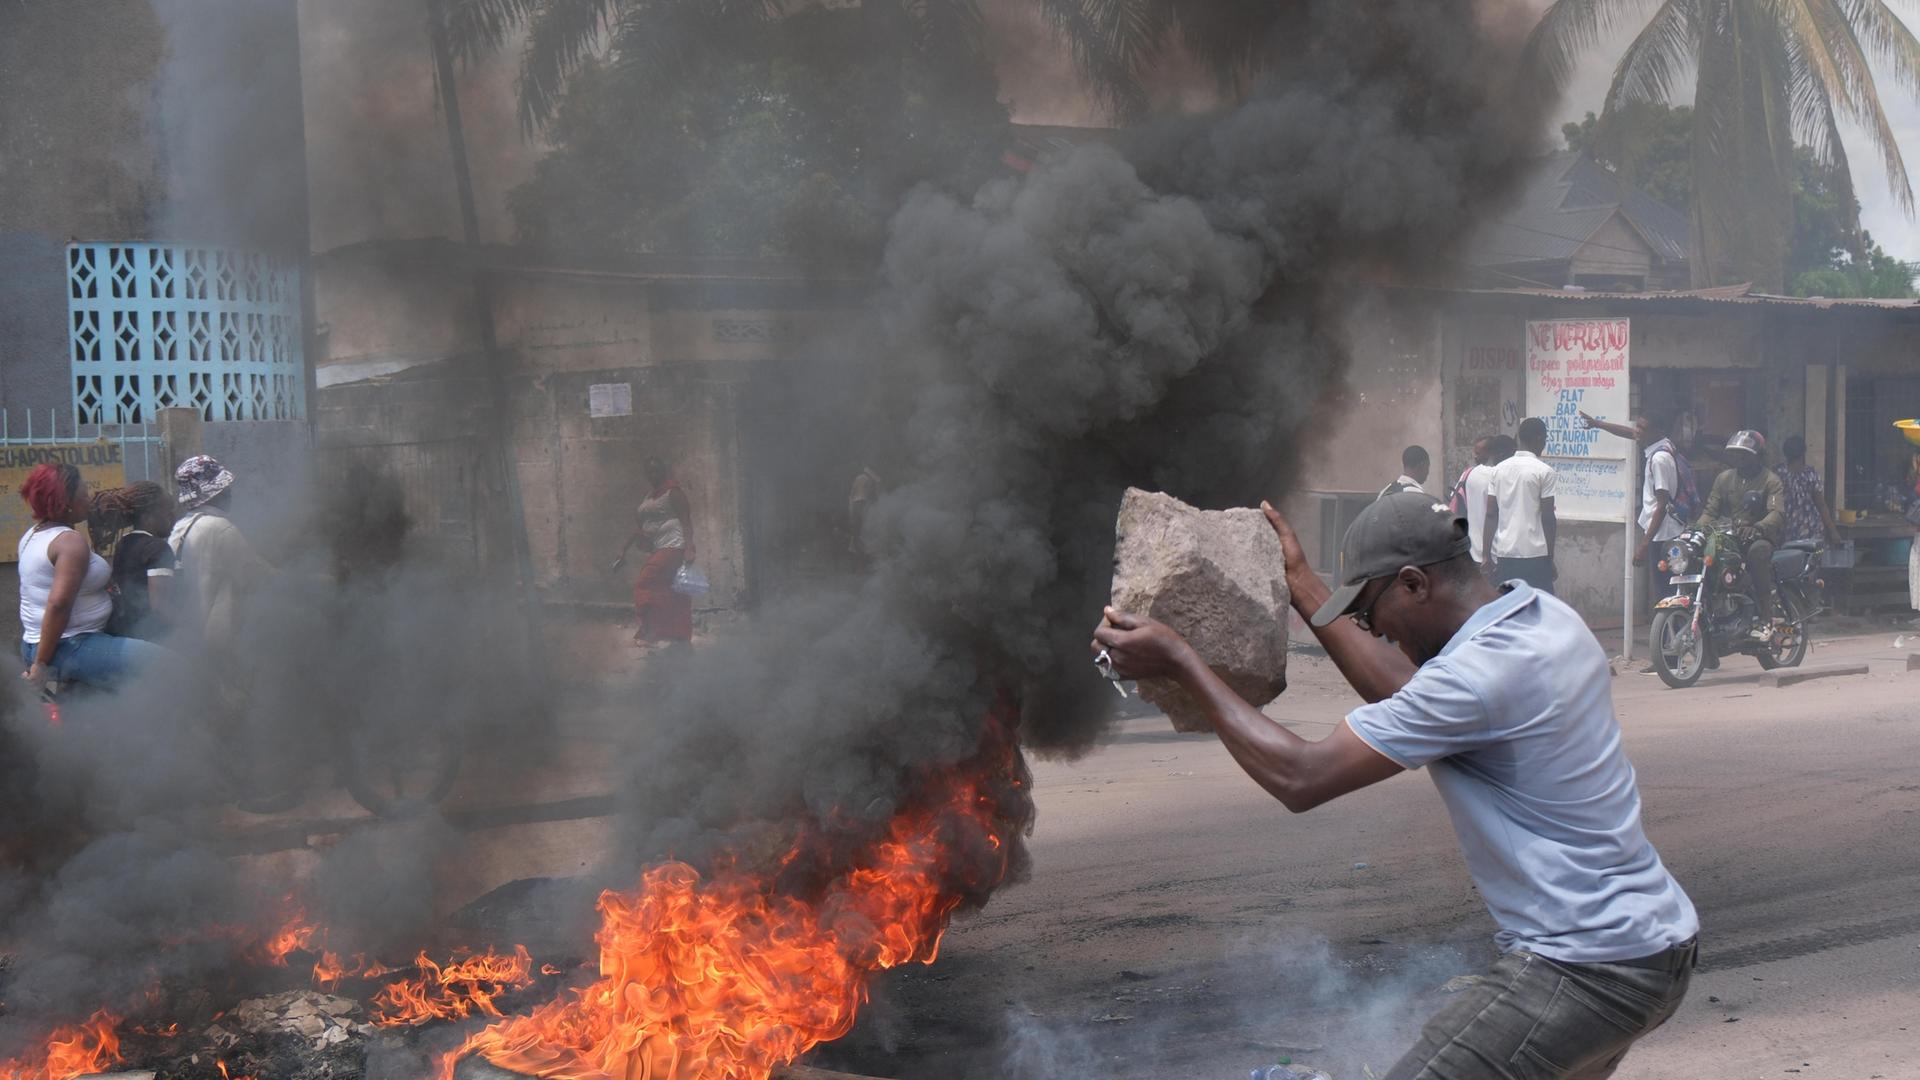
(1445, 367)
(605, 366)
(153, 216)
(153, 234)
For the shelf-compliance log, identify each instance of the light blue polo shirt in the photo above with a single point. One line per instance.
(1514, 721)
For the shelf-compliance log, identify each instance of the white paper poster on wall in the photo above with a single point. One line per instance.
(1575, 366)
(610, 399)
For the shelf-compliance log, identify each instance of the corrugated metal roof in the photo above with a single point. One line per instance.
(1564, 201)
(1722, 294)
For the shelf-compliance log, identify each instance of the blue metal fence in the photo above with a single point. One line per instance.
(155, 326)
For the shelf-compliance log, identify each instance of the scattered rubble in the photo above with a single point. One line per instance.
(324, 1020)
(1218, 578)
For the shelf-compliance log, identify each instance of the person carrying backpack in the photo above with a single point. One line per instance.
(1669, 501)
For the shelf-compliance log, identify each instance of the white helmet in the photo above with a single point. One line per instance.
(1751, 441)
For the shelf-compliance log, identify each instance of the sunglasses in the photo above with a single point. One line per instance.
(1364, 617)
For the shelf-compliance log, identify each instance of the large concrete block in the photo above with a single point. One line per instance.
(1219, 579)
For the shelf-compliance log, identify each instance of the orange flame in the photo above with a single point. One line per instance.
(329, 970)
(461, 989)
(168, 1032)
(296, 933)
(726, 979)
(72, 1050)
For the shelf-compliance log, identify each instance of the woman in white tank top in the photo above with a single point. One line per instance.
(64, 603)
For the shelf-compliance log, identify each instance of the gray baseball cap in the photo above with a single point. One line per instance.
(1407, 528)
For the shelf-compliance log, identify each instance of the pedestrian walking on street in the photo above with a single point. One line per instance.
(135, 522)
(860, 499)
(66, 600)
(1809, 517)
(1504, 696)
(664, 523)
(1470, 494)
(1415, 464)
(1521, 527)
(218, 569)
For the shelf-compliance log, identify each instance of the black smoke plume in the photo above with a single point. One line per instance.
(1165, 311)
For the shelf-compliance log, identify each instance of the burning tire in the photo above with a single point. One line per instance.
(399, 770)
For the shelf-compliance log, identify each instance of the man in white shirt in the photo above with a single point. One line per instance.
(1659, 519)
(1476, 485)
(1414, 466)
(1521, 527)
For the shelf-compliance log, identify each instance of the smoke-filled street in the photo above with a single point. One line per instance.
(1178, 920)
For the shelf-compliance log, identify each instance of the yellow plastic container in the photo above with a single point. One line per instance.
(1909, 428)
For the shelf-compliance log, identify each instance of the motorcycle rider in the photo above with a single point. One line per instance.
(1757, 531)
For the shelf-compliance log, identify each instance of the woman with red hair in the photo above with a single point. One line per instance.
(64, 602)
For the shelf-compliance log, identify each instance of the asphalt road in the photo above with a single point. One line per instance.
(1179, 923)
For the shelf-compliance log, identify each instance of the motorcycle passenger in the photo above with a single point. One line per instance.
(1757, 530)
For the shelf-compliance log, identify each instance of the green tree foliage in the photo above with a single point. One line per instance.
(1652, 150)
(791, 136)
(1831, 255)
(1650, 147)
(1767, 75)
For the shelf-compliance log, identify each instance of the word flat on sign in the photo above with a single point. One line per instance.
(100, 463)
(1575, 366)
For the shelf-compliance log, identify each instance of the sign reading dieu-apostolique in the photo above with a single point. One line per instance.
(1575, 366)
(100, 463)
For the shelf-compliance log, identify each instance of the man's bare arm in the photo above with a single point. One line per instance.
(1300, 774)
(1625, 431)
(1488, 529)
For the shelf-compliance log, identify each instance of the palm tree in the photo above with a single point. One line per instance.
(666, 37)
(1118, 44)
(1766, 73)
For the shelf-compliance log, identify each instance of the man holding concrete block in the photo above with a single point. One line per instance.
(1504, 696)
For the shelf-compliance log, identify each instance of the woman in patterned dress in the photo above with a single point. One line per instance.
(664, 523)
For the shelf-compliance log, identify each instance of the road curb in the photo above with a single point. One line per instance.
(1791, 676)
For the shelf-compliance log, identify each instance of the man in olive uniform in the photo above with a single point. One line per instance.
(1758, 530)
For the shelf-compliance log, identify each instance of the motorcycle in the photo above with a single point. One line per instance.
(1712, 611)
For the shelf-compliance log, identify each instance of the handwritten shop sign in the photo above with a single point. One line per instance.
(100, 463)
(1575, 366)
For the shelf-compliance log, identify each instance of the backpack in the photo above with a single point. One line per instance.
(1686, 501)
(1457, 499)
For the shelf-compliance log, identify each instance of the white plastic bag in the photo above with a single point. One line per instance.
(690, 580)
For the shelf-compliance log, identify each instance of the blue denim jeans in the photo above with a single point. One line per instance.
(1532, 1018)
(97, 659)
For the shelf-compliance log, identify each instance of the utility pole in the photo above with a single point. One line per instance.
(491, 358)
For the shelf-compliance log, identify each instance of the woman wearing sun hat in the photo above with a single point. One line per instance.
(217, 567)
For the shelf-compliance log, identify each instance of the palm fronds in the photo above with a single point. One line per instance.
(1113, 44)
(1568, 30)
